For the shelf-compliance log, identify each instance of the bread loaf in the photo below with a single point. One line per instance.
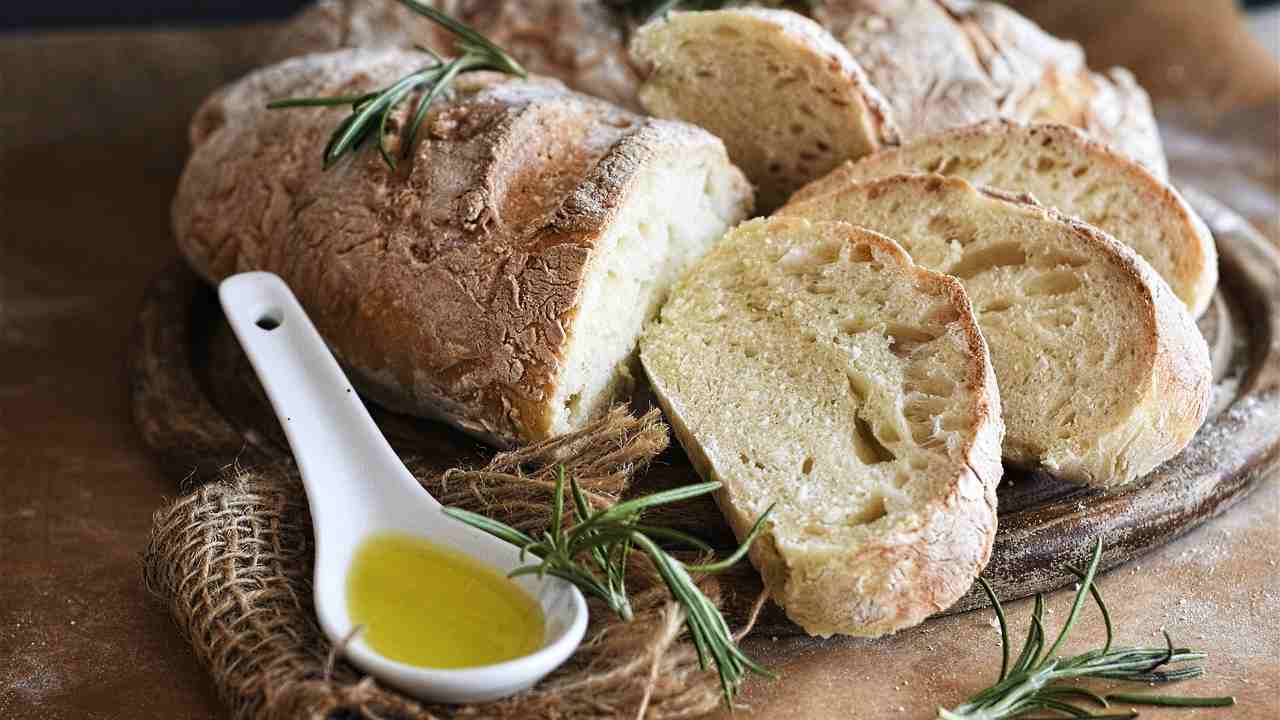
(814, 366)
(786, 98)
(932, 65)
(500, 277)
(944, 64)
(580, 42)
(1065, 170)
(1102, 372)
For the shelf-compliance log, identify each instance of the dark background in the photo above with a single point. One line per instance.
(80, 13)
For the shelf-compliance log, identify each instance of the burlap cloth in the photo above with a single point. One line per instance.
(233, 560)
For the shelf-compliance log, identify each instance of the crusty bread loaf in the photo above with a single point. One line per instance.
(1065, 170)
(500, 277)
(814, 366)
(786, 98)
(943, 64)
(579, 42)
(1102, 372)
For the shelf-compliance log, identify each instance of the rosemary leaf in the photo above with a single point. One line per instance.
(1039, 679)
(371, 112)
(1170, 701)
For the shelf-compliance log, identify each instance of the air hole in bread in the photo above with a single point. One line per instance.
(996, 305)
(1059, 282)
(873, 511)
(867, 446)
(953, 228)
(905, 339)
(989, 258)
(936, 386)
(853, 326)
(1054, 258)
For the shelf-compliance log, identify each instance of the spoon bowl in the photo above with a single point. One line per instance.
(357, 487)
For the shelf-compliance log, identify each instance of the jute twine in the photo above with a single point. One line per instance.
(233, 561)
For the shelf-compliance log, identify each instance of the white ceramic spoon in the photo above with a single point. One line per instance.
(356, 486)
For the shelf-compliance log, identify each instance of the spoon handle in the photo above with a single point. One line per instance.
(347, 466)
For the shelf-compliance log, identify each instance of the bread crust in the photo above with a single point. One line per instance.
(1194, 274)
(1169, 399)
(449, 287)
(774, 160)
(949, 63)
(579, 42)
(901, 577)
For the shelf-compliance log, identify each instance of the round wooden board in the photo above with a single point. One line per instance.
(199, 407)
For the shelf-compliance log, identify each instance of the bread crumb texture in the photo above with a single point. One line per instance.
(1063, 168)
(815, 367)
(1102, 372)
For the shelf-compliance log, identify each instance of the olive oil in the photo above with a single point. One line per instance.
(427, 605)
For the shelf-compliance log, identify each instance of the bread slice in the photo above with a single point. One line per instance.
(943, 64)
(786, 98)
(500, 276)
(814, 366)
(1102, 371)
(1064, 169)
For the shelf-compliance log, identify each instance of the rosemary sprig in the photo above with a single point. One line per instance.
(592, 554)
(1039, 681)
(371, 111)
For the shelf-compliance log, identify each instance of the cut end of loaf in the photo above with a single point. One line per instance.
(815, 367)
(788, 100)
(675, 209)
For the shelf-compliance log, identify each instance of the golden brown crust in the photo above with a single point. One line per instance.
(578, 42)
(1191, 267)
(1166, 398)
(737, 72)
(449, 286)
(949, 63)
(908, 572)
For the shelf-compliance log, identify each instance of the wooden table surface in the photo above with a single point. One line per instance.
(92, 139)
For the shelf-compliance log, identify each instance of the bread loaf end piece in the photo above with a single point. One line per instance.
(786, 98)
(1102, 371)
(499, 278)
(814, 366)
(1064, 169)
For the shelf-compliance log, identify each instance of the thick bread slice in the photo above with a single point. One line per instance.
(1064, 169)
(500, 277)
(1103, 373)
(814, 366)
(786, 98)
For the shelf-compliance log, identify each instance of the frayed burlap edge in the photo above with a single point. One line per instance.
(233, 561)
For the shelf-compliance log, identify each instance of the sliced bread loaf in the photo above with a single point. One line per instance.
(943, 64)
(1064, 169)
(500, 277)
(1103, 373)
(786, 98)
(814, 366)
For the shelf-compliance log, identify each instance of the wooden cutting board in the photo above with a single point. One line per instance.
(198, 405)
